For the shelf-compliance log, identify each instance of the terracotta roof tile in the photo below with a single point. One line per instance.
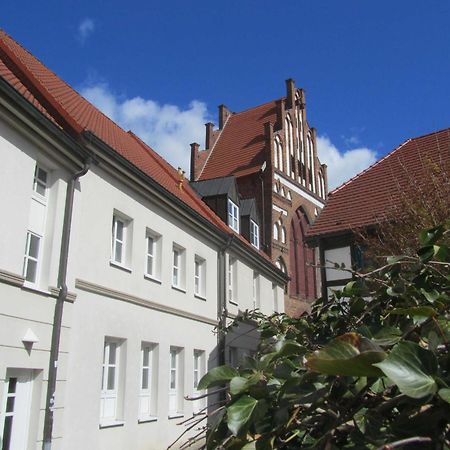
(365, 199)
(239, 148)
(27, 74)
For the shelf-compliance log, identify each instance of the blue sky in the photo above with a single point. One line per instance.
(375, 73)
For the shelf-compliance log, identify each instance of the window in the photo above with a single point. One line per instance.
(233, 216)
(175, 382)
(232, 282)
(40, 181)
(31, 258)
(276, 231)
(110, 381)
(178, 267)
(283, 235)
(147, 396)
(121, 240)
(198, 372)
(275, 297)
(199, 277)
(254, 234)
(256, 291)
(153, 255)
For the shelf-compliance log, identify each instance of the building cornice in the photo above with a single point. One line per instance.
(125, 297)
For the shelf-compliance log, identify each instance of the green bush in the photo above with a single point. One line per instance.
(367, 369)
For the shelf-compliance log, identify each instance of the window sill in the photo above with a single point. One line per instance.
(177, 288)
(175, 416)
(200, 297)
(33, 287)
(111, 424)
(120, 266)
(150, 278)
(147, 419)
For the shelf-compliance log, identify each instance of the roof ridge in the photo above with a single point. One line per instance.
(370, 167)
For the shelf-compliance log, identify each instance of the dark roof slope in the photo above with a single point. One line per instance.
(239, 148)
(365, 199)
(216, 186)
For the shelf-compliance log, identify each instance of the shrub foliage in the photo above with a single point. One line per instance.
(368, 368)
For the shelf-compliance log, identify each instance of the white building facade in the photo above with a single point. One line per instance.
(112, 280)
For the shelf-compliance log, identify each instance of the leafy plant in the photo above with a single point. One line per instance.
(368, 368)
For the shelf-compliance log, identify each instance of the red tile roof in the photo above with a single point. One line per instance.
(64, 106)
(239, 148)
(365, 199)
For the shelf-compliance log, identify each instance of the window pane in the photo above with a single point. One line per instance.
(145, 373)
(41, 175)
(175, 276)
(7, 432)
(10, 404)
(173, 360)
(172, 379)
(118, 254)
(12, 385)
(150, 265)
(31, 271)
(34, 246)
(175, 258)
(150, 243)
(112, 352)
(40, 188)
(145, 357)
(119, 230)
(111, 378)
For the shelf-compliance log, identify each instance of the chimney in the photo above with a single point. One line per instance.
(194, 157)
(325, 178)
(290, 93)
(224, 113)
(302, 99)
(209, 131)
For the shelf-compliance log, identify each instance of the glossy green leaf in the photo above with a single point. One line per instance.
(429, 237)
(240, 412)
(444, 394)
(350, 355)
(217, 376)
(411, 368)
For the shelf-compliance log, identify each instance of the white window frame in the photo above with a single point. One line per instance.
(178, 267)
(123, 241)
(256, 291)
(232, 282)
(254, 234)
(197, 373)
(29, 258)
(153, 255)
(233, 215)
(175, 382)
(199, 277)
(147, 395)
(37, 181)
(109, 397)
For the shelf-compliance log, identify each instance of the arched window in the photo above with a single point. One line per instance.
(279, 152)
(283, 192)
(283, 235)
(275, 188)
(276, 231)
(289, 195)
(281, 265)
(288, 140)
(275, 153)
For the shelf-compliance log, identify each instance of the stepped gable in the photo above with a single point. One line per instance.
(72, 112)
(239, 148)
(365, 198)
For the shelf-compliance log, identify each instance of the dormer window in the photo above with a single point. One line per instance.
(254, 234)
(233, 216)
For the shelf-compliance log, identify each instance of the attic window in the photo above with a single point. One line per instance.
(233, 216)
(254, 234)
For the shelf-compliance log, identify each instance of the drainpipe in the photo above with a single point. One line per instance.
(222, 310)
(59, 307)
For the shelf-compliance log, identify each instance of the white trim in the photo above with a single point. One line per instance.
(280, 210)
(298, 191)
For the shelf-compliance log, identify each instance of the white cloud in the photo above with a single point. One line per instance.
(85, 29)
(343, 165)
(167, 128)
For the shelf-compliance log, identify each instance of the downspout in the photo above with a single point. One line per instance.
(222, 310)
(59, 307)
